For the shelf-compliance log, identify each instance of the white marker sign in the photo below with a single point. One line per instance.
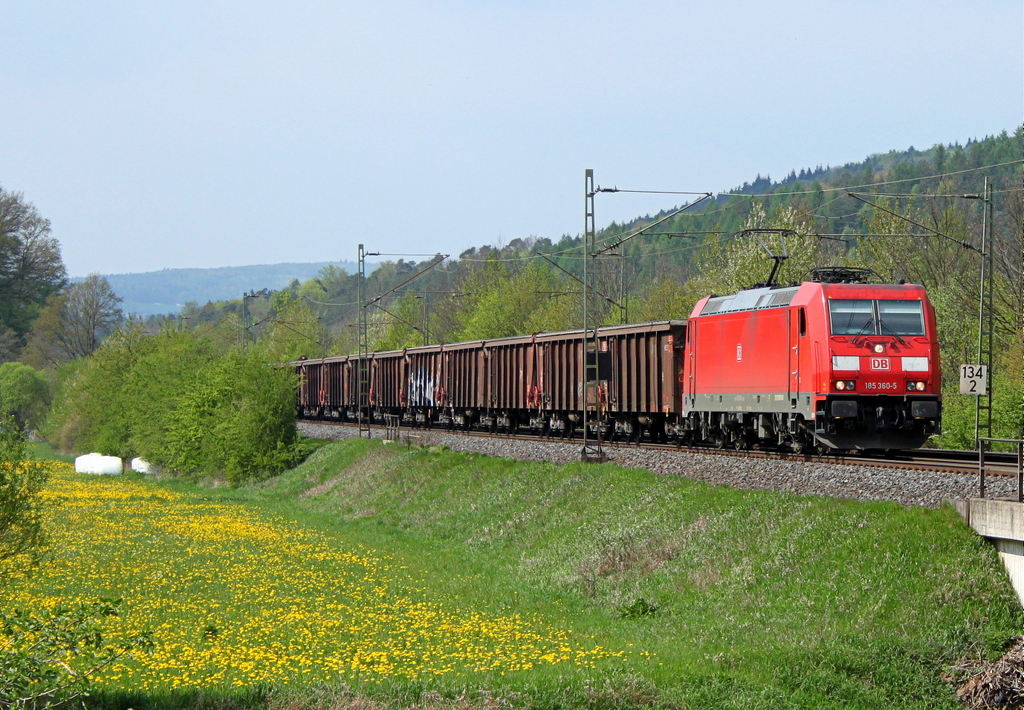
(973, 379)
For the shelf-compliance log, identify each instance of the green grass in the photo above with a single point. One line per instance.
(43, 450)
(759, 599)
(716, 598)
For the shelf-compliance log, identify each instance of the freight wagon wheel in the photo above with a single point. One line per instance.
(638, 433)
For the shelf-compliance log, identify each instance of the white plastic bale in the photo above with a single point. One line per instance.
(141, 466)
(99, 464)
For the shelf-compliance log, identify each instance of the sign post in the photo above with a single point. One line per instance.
(974, 379)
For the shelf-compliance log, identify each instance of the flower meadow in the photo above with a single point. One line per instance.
(236, 596)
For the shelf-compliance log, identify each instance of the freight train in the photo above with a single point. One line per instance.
(832, 363)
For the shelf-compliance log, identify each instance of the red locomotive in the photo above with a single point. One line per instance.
(834, 363)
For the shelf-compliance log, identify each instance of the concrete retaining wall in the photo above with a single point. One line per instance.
(1002, 522)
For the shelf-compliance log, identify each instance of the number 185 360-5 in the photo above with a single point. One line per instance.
(880, 386)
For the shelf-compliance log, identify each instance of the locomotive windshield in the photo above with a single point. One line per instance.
(861, 316)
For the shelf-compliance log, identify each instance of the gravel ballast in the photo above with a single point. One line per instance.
(838, 480)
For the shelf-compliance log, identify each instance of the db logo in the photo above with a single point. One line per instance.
(879, 363)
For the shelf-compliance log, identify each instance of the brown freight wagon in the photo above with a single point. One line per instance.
(505, 384)
(638, 385)
(322, 387)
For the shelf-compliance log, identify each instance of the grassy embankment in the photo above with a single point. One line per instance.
(397, 572)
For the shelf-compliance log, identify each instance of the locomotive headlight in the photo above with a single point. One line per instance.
(878, 347)
(915, 385)
(843, 385)
(840, 385)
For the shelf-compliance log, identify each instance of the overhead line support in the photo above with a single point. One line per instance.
(986, 318)
(588, 353)
(363, 363)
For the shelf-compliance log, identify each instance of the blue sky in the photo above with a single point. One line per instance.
(222, 132)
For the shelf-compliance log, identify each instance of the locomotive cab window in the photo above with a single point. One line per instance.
(860, 316)
(851, 316)
(901, 317)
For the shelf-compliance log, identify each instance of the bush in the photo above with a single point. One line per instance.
(91, 411)
(237, 418)
(24, 392)
(180, 402)
(172, 365)
(21, 481)
(48, 658)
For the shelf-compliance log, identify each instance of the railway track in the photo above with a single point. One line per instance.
(996, 463)
(951, 460)
(916, 477)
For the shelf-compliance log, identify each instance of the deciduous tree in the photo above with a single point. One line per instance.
(729, 266)
(31, 269)
(75, 322)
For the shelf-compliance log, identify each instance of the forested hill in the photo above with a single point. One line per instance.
(822, 191)
(900, 164)
(168, 290)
